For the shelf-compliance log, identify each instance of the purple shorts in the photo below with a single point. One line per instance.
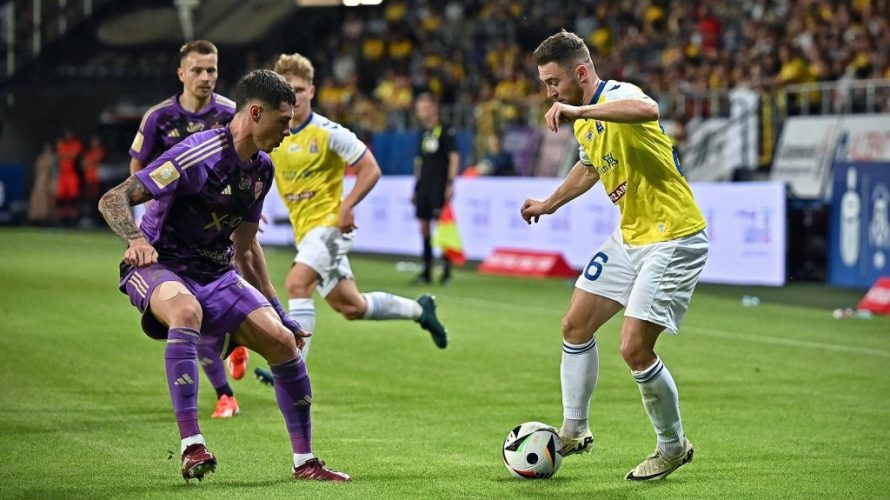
(226, 301)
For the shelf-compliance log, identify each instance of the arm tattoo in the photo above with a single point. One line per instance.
(115, 207)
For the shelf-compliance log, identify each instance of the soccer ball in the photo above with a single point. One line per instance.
(531, 451)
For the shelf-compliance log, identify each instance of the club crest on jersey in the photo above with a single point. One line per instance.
(257, 189)
(313, 146)
(599, 127)
(244, 183)
(588, 136)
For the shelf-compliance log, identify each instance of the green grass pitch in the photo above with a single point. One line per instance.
(781, 400)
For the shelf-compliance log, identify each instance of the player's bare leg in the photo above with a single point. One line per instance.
(579, 369)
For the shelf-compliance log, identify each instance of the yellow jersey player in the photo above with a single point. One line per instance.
(649, 266)
(309, 169)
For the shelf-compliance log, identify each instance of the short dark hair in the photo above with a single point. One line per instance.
(263, 85)
(565, 48)
(202, 47)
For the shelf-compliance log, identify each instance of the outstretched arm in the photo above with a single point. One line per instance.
(579, 181)
(115, 208)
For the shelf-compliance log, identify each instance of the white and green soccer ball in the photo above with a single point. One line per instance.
(532, 451)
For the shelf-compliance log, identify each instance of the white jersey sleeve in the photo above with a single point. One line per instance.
(344, 142)
(620, 91)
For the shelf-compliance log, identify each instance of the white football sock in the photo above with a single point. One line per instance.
(186, 442)
(303, 312)
(578, 372)
(382, 305)
(302, 458)
(662, 403)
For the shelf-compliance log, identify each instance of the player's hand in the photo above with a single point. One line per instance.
(560, 113)
(346, 220)
(263, 221)
(140, 253)
(532, 210)
(295, 328)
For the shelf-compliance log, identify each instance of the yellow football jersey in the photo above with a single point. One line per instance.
(309, 167)
(640, 172)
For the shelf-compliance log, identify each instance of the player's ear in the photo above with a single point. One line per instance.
(256, 112)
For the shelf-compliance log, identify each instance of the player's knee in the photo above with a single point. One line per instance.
(637, 357)
(574, 333)
(282, 348)
(297, 290)
(186, 311)
(351, 311)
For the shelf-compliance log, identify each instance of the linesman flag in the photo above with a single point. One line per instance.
(447, 237)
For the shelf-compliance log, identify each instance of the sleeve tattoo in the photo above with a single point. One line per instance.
(115, 207)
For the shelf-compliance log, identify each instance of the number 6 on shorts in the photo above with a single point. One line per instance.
(597, 265)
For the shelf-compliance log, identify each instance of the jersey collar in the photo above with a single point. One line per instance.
(302, 125)
(599, 91)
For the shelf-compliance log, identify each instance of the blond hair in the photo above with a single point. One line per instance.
(295, 64)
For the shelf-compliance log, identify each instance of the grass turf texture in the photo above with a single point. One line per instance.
(781, 400)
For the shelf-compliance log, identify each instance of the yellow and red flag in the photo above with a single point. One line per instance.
(447, 237)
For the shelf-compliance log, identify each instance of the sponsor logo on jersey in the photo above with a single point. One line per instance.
(611, 164)
(599, 127)
(305, 195)
(227, 191)
(619, 192)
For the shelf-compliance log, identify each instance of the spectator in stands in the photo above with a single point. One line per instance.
(92, 161)
(40, 206)
(68, 185)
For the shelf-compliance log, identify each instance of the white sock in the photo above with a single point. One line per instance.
(186, 442)
(303, 312)
(382, 305)
(302, 458)
(662, 403)
(578, 372)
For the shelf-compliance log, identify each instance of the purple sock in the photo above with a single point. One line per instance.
(214, 368)
(180, 358)
(294, 395)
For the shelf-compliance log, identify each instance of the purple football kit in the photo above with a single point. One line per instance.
(167, 123)
(202, 191)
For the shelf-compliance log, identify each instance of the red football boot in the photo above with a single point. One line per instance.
(315, 470)
(237, 362)
(197, 461)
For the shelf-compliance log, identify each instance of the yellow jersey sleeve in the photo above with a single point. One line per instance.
(309, 168)
(640, 171)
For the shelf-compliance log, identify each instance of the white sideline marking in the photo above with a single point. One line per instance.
(763, 339)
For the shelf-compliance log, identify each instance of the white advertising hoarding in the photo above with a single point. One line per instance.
(746, 223)
(809, 145)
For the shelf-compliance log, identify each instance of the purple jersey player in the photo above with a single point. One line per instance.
(197, 108)
(178, 269)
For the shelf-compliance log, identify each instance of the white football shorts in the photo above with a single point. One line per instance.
(653, 282)
(324, 249)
